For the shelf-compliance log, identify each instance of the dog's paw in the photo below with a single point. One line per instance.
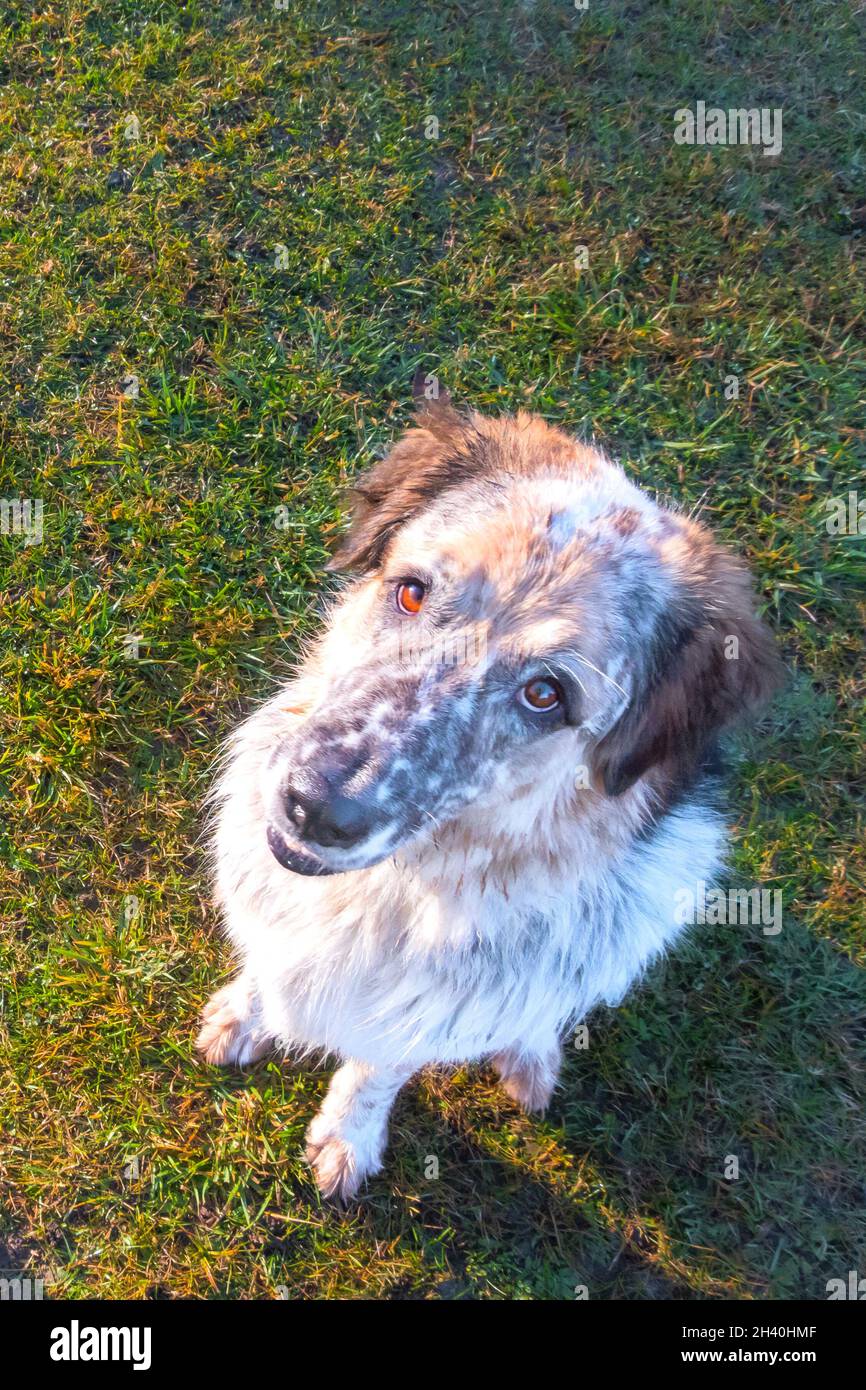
(231, 1034)
(335, 1165)
(340, 1164)
(529, 1083)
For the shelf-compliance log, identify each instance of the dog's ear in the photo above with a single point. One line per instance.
(439, 452)
(712, 660)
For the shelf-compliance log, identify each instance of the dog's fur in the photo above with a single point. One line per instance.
(498, 870)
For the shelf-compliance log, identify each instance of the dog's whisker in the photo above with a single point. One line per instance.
(605, 677)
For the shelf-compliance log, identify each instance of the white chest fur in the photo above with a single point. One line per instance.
(445, 956)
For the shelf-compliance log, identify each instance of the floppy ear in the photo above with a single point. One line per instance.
(439, 452)
(712, 661)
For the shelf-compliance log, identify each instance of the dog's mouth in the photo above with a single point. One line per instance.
(293, 858)
(317, 861)
(322, 818)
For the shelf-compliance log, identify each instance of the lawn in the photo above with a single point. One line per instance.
(229, 234)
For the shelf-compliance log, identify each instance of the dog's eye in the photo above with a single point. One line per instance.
(541, 694)
(410, 596)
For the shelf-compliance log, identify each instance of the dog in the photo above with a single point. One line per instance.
(465, 821)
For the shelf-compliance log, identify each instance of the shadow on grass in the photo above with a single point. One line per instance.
(708, 1144)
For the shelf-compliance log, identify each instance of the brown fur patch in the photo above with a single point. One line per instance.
(670, 724)
(440, 452)
(625, 521)
(444, 449)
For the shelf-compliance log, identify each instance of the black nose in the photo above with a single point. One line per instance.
(333, 820)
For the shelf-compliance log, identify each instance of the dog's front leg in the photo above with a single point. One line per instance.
(529, 1077)
(232, 1029)
(346, 1139)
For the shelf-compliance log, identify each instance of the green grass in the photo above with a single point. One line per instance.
(128, 1168)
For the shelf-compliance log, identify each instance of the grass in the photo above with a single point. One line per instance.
(270, 260)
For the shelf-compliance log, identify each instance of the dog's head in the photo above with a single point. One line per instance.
(521, 617)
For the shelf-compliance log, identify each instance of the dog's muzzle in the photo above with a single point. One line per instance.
(330, 820)
(316, 823)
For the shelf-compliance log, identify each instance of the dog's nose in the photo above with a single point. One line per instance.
(334, 820)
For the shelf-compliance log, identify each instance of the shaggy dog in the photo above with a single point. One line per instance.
(466, 821)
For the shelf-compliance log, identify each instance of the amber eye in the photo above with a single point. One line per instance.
(410, 596)
(541, 694)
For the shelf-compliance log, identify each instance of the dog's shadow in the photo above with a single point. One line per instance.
(704, 1146)
(485, 1201)
(489, 1199)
